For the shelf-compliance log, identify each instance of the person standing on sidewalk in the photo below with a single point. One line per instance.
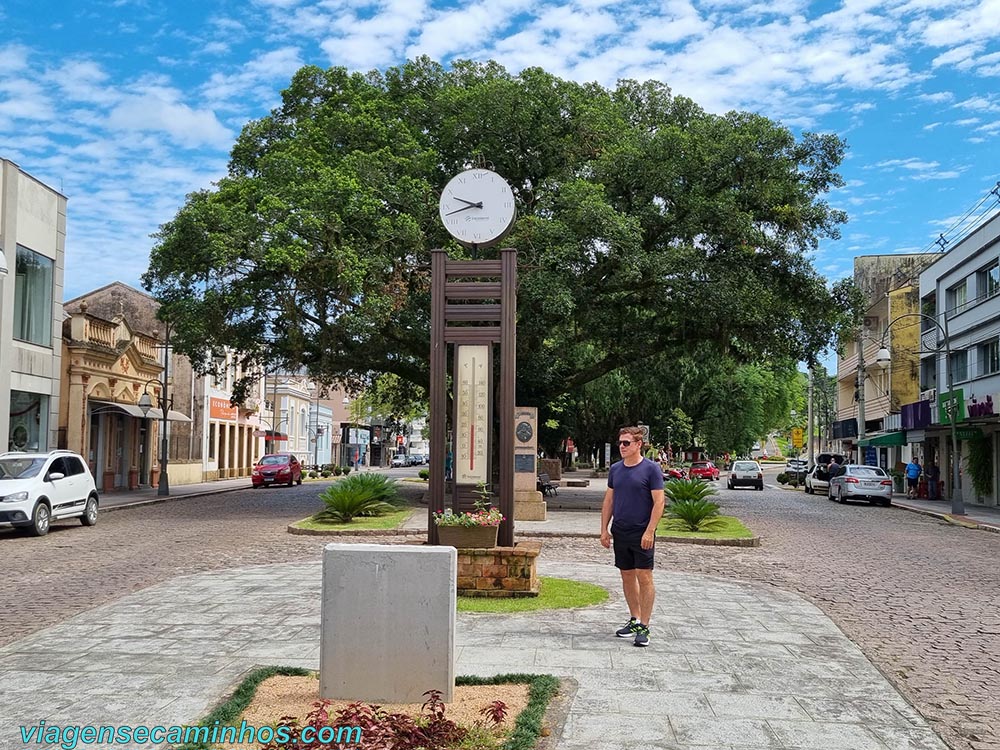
(912, 477)
(633, 505)
(933, 476)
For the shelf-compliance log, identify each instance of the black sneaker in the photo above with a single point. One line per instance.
(629, 630)
(641, 635)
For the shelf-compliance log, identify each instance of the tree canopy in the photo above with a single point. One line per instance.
(650, 232)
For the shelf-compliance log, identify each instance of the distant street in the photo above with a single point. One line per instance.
(920, 597)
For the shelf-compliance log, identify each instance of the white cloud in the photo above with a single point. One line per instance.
(158, 109)
(259, 79)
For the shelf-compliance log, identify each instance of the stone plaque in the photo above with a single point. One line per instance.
(524, 463)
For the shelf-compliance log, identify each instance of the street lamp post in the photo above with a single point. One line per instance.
(146, 402)
(883, 358)
(163, 403)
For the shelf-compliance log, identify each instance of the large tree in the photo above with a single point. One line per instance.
(648, 228)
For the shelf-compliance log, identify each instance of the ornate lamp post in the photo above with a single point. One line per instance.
(883, 358)
(163, 403)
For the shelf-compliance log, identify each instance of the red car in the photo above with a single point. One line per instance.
(277, 468)
(703, 470)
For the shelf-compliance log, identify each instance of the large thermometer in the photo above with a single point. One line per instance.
(472, 422)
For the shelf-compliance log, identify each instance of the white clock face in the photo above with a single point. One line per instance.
(477, 207)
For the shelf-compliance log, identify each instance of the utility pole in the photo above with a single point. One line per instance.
(861, 394)
(809, 423)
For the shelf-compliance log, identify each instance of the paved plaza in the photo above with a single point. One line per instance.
(733, 666)
(180, 593)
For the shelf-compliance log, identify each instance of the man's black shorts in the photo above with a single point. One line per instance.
(912, 483)
(629, 554)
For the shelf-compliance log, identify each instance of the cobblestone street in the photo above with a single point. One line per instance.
(920, 597)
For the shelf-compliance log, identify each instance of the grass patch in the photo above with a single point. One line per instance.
(729, 527)
(227, 713)
(553, 593)
(389, 521)
(523, 736)
(528, 725)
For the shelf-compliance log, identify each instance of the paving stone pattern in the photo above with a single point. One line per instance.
(918, 596)
(751, 682)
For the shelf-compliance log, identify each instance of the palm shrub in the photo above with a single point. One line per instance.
(689, 505)
(359, 495)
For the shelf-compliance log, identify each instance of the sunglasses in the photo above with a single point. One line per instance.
(626, 443)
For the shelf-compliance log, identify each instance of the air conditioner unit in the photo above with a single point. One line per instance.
(929, 395)
(870, 323)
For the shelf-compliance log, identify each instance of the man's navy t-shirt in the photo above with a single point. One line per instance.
(633, 498)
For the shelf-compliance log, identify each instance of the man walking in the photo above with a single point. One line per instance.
(912, 477)
(933, 475)
(635, 501)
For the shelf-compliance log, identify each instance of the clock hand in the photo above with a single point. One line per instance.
(465, 208)
(477, 205)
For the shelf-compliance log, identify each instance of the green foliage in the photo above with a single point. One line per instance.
(694, 515)
(722, 527)
(636, 210)
(553, 593)
(368, 494)
(424, 473)
(682, 490)
(783, 478)
(980, 463)
(229, 712)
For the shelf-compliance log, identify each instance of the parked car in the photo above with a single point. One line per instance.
(277, 468)
(398, 460)
(38, 488)
(745, 474)
(415, 459)
(818, 478)
(857, 482)
(703, 470)
(797, 468)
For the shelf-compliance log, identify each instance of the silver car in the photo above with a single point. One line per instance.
(856, 482)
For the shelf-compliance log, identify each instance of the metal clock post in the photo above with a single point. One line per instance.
(477, 208)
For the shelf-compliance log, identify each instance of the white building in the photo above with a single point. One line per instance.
(961, 292)
(32, 262)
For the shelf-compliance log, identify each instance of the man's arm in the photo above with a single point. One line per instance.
(649, 535)
(606, 507)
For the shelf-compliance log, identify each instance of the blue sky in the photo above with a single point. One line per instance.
(126, 106)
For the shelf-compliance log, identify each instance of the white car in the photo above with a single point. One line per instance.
(38, 488)
(818, 478)
(399, 460)
(745, 474)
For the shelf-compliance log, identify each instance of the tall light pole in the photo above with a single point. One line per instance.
(164, 403)
(883, 358)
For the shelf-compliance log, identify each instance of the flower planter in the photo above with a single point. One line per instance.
(468, 537)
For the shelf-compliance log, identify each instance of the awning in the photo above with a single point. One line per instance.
(888, 438)
(131, 409)
(134, 411)
(270, 435)
(172, 416)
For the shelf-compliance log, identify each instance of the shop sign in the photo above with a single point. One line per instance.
(219, 408)
(982, 408)
(954, 400)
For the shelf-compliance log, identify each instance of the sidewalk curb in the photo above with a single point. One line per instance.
(168, 498)
(949, 518)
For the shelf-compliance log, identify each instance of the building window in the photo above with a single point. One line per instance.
(33, 298)
(989, 357)
(958, 295)
(29, 422)
(959, 366)
(211, 441)
(988, 280)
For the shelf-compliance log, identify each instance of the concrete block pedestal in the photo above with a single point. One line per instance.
(387, 622)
